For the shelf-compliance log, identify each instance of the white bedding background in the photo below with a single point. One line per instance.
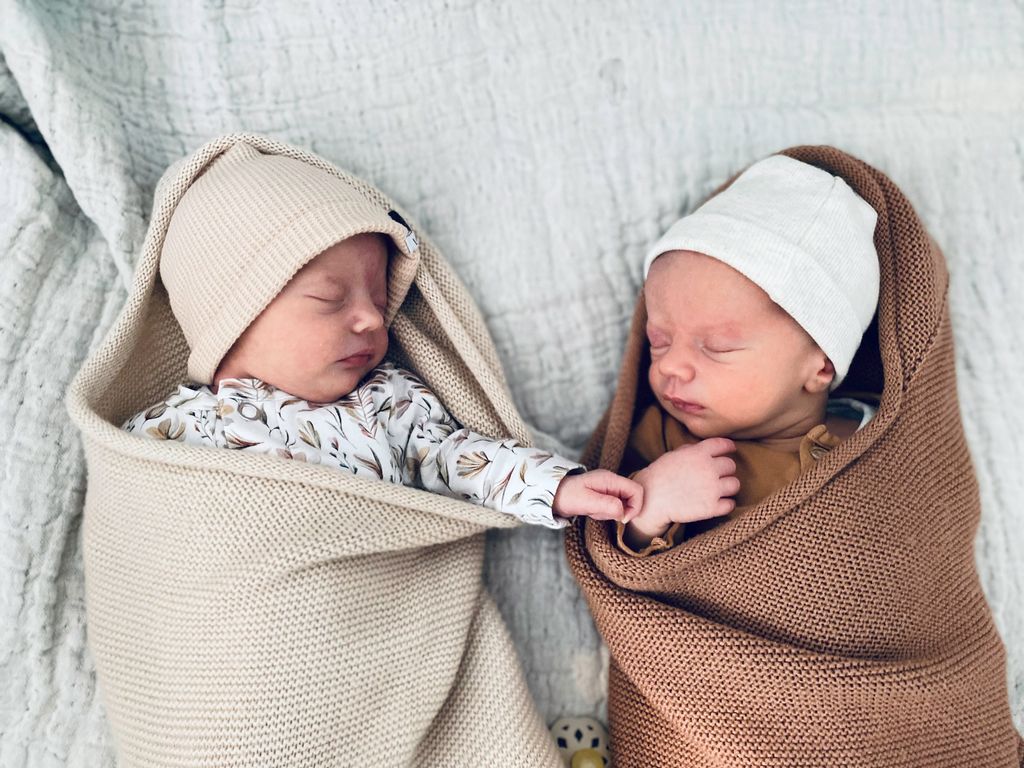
(543, 146)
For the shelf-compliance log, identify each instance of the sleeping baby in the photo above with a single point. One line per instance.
(756, 303)
(278, 273)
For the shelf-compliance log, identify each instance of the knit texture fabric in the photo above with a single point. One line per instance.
(841, 620)
(246, 610)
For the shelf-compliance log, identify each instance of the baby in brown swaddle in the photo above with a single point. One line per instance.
(756, 304)
(842, 589)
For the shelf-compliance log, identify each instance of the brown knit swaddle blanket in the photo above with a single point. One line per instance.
(840, 622)
(246, 610)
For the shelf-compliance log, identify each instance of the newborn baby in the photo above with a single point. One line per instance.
(756, 304)
(278, 273)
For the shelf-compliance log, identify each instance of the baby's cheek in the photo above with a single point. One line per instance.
(653, 377)
(746, 397)
(309, 347)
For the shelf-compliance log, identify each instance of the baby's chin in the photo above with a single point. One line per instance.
(327, 388)
(339, 388)
(341, 379)
(702, 430)
(701, 425)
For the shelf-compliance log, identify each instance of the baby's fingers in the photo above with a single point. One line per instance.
(729, 486)
(606, 481)
(633, 503)
(629, 493)
(724, 507)
(724, 466)
(602, 507)
(717, 446)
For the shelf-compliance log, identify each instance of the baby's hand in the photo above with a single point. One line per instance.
(693, 482)
(599, 494)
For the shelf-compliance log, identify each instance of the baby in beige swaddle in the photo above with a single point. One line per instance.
(278, 273)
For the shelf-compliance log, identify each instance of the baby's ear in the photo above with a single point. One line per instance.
(821, 379)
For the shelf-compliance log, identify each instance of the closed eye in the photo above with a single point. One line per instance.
(326, 305)
(656, 340)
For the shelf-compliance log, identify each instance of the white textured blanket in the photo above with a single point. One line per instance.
(543, 146)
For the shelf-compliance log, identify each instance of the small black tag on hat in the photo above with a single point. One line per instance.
(411, 243)
(398, 217)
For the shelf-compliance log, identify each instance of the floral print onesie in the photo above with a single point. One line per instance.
(391, 427)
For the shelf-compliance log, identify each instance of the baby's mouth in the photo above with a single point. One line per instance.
(684, 405)
(362, 357)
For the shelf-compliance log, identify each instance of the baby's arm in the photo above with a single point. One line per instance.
(184, 416)
(693, 482)
(534, 485)
(499, 474)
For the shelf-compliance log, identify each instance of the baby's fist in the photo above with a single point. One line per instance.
(692, 482)
(599, 494)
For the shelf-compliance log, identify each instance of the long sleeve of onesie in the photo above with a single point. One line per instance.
(391, 427)
(501, 474)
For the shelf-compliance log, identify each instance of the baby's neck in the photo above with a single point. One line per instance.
(789, 443)
(228, 370)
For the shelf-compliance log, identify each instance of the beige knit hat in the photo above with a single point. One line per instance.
(804, 237)
(243, 229)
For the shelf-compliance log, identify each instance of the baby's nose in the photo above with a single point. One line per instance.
(368, 319)
(677, 369)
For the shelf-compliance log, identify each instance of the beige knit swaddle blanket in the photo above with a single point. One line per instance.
(246, 610)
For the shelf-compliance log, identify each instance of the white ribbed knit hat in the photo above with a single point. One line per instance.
(243, 229)
(804, 237)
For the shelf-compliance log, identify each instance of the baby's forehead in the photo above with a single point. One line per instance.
(705, 285)
(355, 257)
(729, 325)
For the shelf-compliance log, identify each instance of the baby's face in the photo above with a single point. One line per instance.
(725, 359)
(325, 331)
